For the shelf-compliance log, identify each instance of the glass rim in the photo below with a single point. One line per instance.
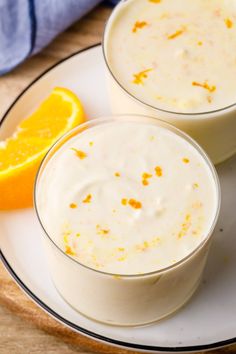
(184, 115)
(112, 119)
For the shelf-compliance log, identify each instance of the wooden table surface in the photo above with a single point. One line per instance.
(25, 332)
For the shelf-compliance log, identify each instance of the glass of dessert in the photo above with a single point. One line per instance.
(174, 60)
(128, 205)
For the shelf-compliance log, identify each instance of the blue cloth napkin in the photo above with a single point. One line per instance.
(26, 26)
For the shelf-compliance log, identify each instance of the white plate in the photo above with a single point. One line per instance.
(207, 321)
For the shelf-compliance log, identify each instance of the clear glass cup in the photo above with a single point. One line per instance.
(116, 299)
(214, 130)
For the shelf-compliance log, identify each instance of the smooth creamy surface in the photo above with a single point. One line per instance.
(127, 197)
(177, 55)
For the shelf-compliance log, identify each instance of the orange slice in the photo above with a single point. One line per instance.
(21, 154)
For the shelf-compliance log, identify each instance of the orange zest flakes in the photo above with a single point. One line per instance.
(132, 202)
(80, 154)
(135, 204)
(228, 23)
(117, 174)
(158, 171)
(124, 201)
(101, 231)
(69, 251)
(87, 199)
(148, 244)
(181, 234)
(205, 86)
(104, 231)
(185, 160)
(176, 34)
(139, 25)
(66, 234)
(146, 175)
(185, 226)
(155, 1)
(139, 77)
(145, 178)
(65, 239)
(187, 217)
(73, 205)
(145, 182)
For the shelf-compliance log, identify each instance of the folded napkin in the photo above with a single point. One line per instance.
(26, 26)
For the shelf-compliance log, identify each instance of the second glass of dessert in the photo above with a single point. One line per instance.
(128, 206)
(175, 60)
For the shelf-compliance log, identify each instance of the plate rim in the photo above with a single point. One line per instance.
(55, 315)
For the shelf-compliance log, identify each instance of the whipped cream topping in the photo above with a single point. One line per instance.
(127, 197)
(175, 55)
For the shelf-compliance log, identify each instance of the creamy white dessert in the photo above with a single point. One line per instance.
(176, 55)
(129, 206)
(175, 60)
(127, 198)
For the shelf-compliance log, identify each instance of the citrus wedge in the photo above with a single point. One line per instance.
(21, 154)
